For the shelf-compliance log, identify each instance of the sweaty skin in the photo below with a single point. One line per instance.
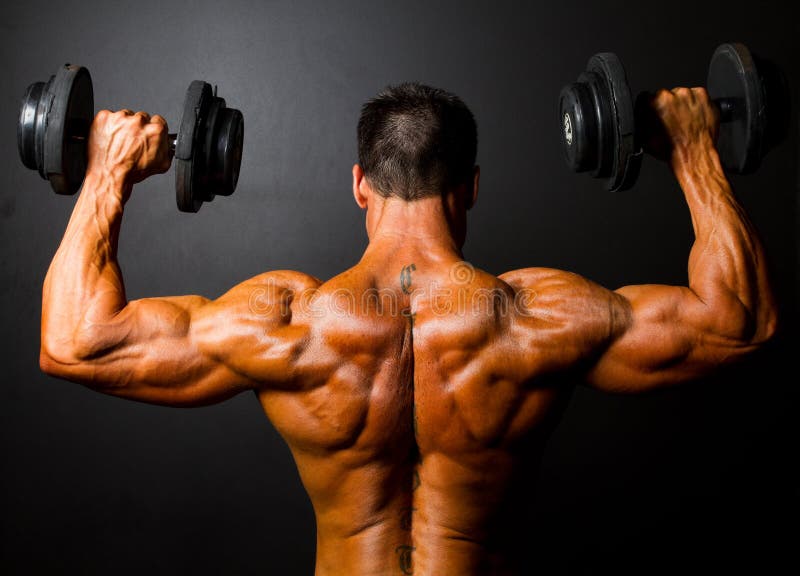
(416, 393)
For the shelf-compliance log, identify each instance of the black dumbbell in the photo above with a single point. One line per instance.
(600, 126)
(55, 117)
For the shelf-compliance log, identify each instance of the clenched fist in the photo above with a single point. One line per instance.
(678, 121)
(129, 146)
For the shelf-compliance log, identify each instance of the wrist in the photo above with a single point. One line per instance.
(114, 186)
(697, 159)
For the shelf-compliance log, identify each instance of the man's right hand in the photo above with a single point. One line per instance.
(662, 335)
(680, 121)
(128, 146)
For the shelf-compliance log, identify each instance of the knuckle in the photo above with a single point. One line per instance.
(663, 97)
(156, 129)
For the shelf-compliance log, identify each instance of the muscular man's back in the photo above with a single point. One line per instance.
(428, 391)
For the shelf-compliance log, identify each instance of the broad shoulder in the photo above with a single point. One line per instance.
(567, 307)
(263, 291)
(271, 297)
(279, 280)
(259, 327)
(557, 291)
(541, 277)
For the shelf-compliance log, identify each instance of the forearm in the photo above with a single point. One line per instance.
(83, 288)
(727, 266)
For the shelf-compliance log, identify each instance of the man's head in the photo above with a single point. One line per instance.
(415, 141)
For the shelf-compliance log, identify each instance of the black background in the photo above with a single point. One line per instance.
(701, 478)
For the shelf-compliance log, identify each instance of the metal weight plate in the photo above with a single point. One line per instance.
(578, 127)
(777, 102)
(66, 129)
(207, 140)
(619, 141)
(230, 144)
(208, 151)
(188, 168)
(53, 126)
(223, 149)
(602, 109)
(733, 77)
(31, 125)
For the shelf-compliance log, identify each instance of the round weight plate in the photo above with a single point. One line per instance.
(732, 76)
(42, 108)
(67, 127)
(578, 127)
(230, 144)
(225, 140)
(27, 125)
(206, 180)
(187, 146)
(602, 109)
(624, 155)
(777, 102)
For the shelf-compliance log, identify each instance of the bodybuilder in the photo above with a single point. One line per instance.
(416, 393)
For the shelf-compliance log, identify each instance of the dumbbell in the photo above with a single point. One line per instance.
(55, 117)
(601, 127)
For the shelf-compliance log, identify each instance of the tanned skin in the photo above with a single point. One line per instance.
(415, 392)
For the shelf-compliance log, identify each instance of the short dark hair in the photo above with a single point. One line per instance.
(416, 141)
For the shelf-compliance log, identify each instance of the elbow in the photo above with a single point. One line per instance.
(769, 325)
(55, 359)
(48, 364)
(77, 357)
(762, 325)
(750, 327)
(59, 356)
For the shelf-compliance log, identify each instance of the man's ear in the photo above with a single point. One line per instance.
(360, 187)
(472, 195)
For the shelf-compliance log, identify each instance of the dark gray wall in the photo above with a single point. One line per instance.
(698, 477)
